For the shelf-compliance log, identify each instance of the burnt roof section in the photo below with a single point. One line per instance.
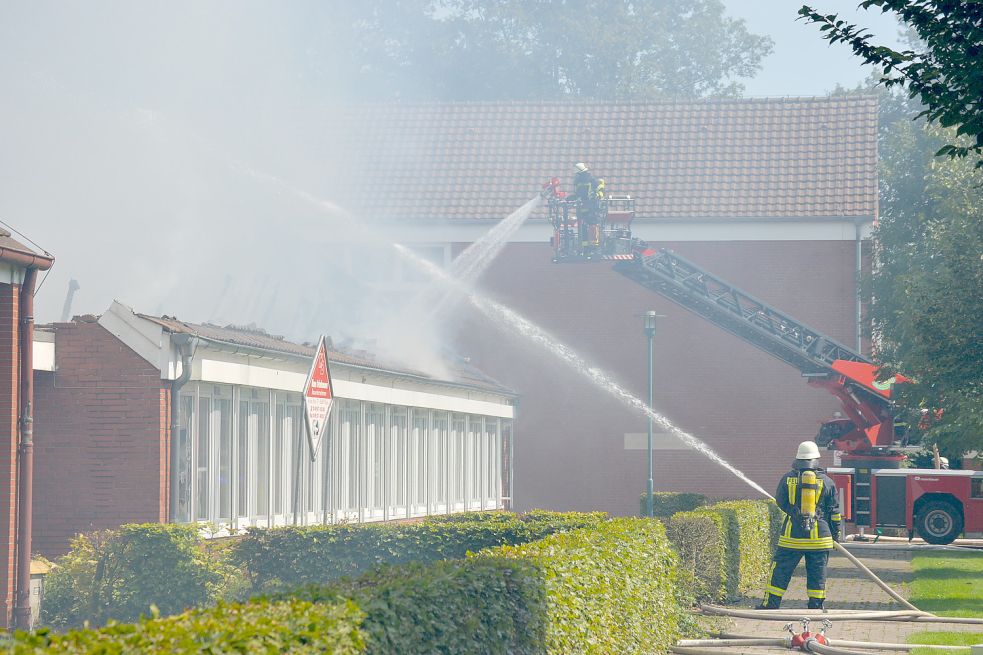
(251, 337)
(747, 158)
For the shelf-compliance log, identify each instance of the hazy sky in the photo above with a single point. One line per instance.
(799, 48)
(127, 128)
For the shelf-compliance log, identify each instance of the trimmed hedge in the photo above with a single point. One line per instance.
(726, 547)
(610, 589)
(699, 538)
(749, 537)
(667, 503)
(119, 574)
(282, 559)
(459, 607)
(288, 626)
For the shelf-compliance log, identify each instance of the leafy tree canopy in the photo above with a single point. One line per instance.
(534, 49)
(946, 76)
(927, 286)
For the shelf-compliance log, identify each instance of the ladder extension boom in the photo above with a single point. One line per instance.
(740, 313)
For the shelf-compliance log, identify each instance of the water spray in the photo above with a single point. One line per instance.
(509, 319)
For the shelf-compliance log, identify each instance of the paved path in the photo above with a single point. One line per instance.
(848, 588)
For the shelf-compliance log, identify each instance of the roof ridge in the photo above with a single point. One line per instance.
(764, 99)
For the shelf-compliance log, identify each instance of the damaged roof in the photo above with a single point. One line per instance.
(252, 337)
(774, 158)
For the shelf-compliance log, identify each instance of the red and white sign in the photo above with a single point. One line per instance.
(318, 398)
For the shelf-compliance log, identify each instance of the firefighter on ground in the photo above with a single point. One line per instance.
(811, 525)
(589, 191)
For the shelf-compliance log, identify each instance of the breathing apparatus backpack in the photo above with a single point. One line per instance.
(808, 498)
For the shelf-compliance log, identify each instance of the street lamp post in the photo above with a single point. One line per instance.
(649, 322)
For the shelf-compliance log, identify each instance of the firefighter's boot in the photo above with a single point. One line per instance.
(771, 602)
(815, 603)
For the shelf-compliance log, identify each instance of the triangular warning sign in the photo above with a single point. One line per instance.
(318, 398)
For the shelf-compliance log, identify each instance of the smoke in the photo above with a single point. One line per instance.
(144, 147)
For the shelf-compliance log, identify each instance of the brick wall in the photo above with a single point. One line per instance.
(750, 407)
(9, 412)
(100, 438)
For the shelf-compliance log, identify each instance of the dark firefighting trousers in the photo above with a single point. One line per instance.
(782, 567)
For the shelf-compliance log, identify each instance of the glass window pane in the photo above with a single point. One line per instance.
(201, 480)
(223, 410)
(375, 442)
(398, 439)
(182, 453)
(242, 460)
(261, 420)
(278, 448)
(294, 474)
(438, 457)
(458, 437)
(352, 418)
(491, 459)
(420, 422)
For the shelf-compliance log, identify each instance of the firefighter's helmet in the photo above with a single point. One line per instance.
(581, 166)
(807, 450)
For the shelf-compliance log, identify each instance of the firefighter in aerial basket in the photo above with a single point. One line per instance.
(811, 524)
(589, 191)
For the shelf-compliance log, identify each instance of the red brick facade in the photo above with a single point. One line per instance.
(9, 412)
(750, 407)
(100, 438)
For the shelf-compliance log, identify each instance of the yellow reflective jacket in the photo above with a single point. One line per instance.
(826, 528)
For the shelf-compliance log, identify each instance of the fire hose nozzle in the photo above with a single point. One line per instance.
(827, 624)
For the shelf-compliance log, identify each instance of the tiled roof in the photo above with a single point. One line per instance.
(464, 374)
(748, 158)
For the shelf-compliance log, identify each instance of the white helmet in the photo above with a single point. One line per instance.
(581, 166)
(944, 462)
(807, 450)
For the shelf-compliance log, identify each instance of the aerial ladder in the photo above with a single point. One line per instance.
(875, 491)
(867, 429)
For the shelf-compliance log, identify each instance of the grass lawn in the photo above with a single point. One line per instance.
(948, 584)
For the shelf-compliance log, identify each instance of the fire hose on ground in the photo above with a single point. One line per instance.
(870, 574)
(819, 643)
(844, 643)
(806, 641)
(841, 615)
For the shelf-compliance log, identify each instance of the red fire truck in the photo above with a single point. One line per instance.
(875, 490)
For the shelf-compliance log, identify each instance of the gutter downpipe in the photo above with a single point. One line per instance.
(186, 344)
(25, 446)
(859, 299)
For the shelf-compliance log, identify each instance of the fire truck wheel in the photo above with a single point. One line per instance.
(939, 522)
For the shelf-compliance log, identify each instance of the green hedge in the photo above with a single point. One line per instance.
(119, 574)
(260, 626)
(459, 607)
(750, 538)
(667, 503)
(283, 559)
(726, 547)
(699, 538)
(610, 589)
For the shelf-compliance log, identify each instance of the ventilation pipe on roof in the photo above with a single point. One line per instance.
(186, 345)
